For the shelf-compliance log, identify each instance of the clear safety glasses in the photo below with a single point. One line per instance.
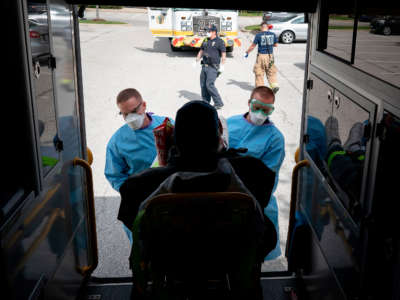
(265, 108)
(131, 112)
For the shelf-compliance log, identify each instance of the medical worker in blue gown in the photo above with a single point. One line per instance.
(254, 131)
(132, 147)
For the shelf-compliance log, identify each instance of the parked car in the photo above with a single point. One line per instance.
(290, 28)
(366, 18)
(270, 16)
(38, 8)
(39, 37)
(387, 25)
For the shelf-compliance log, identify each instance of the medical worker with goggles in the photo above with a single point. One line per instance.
(132, 147)
(255, 131)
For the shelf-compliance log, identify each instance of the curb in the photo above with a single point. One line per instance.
(121, 10)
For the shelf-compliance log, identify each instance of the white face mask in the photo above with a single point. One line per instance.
(208, 34)
(257, 118)
(135, 121)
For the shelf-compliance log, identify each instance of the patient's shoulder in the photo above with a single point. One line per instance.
(148, 177)
(250, 164)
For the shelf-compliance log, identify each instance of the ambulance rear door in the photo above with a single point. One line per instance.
(229, 23)
(160, 21)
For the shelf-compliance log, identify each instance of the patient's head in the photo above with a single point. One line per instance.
(197, 130)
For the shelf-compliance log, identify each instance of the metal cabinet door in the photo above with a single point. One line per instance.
(319, 109)
(355, 116)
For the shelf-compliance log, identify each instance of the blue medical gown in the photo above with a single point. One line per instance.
(130, 151)
(264, 142)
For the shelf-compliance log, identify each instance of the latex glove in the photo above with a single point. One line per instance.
(194, 64)
(221, 68)
(246, 55)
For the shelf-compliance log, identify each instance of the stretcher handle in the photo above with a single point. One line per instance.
(293, 200)
(86, 270)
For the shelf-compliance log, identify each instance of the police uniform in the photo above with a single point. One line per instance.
(212, 51)
(265, 59)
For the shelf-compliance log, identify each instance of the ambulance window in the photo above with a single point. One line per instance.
(336, 29)
(377, 50)
(43, 83)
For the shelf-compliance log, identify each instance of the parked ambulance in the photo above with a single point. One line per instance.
(186, 28)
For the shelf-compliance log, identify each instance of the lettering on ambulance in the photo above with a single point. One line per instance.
(267, 40)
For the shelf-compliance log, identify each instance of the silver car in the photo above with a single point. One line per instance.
(289, 29)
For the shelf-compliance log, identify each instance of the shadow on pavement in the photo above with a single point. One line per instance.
(242, 84)
(162, 45)
(301, 66)
(189, 95)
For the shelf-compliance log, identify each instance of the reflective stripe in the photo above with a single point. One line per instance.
(333, 155)
(48, 161)
(169, 32)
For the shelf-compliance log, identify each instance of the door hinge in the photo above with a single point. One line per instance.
(306, 138)
(52, 62)
(58, 144)
(310, 84)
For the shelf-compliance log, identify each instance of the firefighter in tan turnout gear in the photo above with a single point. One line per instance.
(266, 41)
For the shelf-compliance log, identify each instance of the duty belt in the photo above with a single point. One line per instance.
(212, 65)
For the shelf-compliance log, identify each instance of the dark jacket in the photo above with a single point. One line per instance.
(257, 178)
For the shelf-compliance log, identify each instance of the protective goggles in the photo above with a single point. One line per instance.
(258, 106)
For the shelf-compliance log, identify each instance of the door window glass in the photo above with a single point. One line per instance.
(377, 49)
(336, 29)
(43, 84)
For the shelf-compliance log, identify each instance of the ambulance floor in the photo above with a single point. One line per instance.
(274, 288)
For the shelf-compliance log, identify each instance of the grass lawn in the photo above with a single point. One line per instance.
(249, 13)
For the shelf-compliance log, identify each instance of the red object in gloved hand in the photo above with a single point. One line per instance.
(163, 138)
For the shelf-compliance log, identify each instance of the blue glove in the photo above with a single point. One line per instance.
(246, 55)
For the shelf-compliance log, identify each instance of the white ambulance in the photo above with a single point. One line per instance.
(187, 27)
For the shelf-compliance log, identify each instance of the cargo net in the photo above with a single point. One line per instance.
(201, 24)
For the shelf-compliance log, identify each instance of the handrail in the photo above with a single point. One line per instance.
(91, 216)
(89, 156)
(293, 200)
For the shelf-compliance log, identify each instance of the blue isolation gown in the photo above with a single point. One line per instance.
(264, 142)
(130, 151)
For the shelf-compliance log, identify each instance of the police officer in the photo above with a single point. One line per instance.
(213, 52)
(266, 41)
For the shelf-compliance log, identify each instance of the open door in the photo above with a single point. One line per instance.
(48, 242)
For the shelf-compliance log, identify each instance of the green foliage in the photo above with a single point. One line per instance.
(106, 6)
(250, 13)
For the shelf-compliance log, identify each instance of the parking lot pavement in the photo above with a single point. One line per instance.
(115, 57)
